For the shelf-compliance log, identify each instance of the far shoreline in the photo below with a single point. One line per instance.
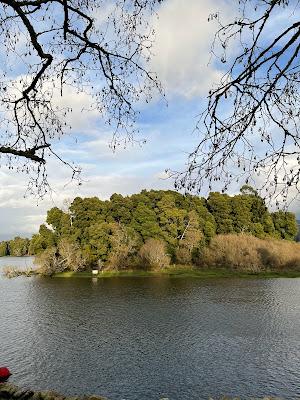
(179, 272)
(174, 271)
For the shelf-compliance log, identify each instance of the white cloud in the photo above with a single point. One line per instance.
(83, 116)
(182, 47)
(22, 216)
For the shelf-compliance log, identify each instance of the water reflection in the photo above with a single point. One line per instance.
(128, 338)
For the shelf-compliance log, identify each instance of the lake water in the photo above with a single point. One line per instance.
(148, 338)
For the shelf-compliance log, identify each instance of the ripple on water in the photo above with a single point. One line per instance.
(152, 338)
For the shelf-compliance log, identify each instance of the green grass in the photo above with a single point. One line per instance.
(105, 274)
(181, 272)
(171, 272)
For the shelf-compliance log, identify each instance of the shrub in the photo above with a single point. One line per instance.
(66, 257)
(123, 243)
(48, 262)
(18, 247)
(153, 254)
(13, 272)
(3, 249)
(70, 255)
(249, 253)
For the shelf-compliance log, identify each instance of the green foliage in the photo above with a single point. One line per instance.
(96, 242)
(221, 208)
(171, 219)
(59, 221)
(36, 244)
(18, 247)
(145, 222)
(248, 190)
(176, 228)
(190, 240)
(85, 212)
(44, 239)
(259, 209)
(119, 209)
(268, 226)
(242, 213)
(4, 250)
(209, 231)
(285, 224)
(258, 230)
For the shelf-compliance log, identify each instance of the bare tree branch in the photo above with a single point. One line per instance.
(100, 48)
(250, 128)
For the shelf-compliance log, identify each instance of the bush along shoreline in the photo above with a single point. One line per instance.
(234, 255)
(153, 230)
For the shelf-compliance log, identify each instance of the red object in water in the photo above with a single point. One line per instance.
(4, 373)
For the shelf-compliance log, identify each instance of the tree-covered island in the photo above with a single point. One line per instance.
(155, 229)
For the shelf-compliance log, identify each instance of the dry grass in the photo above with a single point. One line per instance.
(13, 272)
(248, 253)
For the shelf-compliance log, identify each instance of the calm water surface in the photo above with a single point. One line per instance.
(148, 338)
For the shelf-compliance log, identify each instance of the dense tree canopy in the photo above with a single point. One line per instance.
(123, 230)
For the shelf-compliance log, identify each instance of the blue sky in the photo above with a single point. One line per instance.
(183, 40)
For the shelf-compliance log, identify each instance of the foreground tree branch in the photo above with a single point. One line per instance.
(30, 154)
(99, 48)
(250, 128)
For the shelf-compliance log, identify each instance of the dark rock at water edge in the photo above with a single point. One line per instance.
(11, 392)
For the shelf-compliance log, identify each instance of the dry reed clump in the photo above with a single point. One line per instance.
(14, 272)
(153, 254)
(248, 253)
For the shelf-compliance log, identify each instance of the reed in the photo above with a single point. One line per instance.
(248, 253)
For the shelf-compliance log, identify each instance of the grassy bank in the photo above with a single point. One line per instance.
(182, 272)
(170, 272)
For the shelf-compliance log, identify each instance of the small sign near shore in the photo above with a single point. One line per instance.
(96, 270)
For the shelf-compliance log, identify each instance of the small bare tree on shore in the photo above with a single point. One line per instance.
(153, 254)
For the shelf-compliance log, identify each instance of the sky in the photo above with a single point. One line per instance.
(182, 62)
